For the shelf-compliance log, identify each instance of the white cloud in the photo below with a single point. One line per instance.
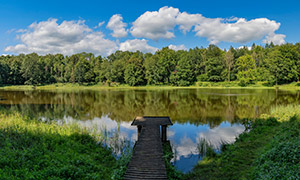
(247, 47)
(176, 48)
(137, 45)
(161, 24)
(99, 24)
(71, 37)
(187, 21)
(156, 24)
(241, 31)
(117, 25)
(67, 38)
(277, 39)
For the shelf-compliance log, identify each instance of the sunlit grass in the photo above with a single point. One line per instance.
(31, 149)
(270, 150)
(283, 112)
(217, 85)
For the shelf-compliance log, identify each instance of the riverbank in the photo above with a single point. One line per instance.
(218, 85)
(269, 149)
(31, 149)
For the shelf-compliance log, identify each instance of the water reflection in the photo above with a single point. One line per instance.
(186, 137)
(211, 114)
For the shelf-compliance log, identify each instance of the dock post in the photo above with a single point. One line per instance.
(164, 133)
(139, 128)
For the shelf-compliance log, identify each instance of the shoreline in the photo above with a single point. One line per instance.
(75, 87)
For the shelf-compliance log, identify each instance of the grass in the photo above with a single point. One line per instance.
(281, 158)
(218, 85)
(30, 149)
(283, 112)
(269, 149)
(172, 172)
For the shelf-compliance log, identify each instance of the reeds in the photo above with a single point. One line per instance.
(283, 112)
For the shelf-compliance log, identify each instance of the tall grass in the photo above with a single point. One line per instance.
(205, 149)
(283, 112)
(31, 149)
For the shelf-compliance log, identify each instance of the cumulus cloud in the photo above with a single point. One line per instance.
(241, 31)
(186, 21)
(67, 38)
(156, 24)
(71, 37)
(277, 39)
(161, 24)
(176, 48)
(117, 25)
(137, 45)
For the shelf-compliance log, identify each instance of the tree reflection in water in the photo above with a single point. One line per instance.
(212, 114)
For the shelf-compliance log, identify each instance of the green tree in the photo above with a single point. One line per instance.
(83, 72)
(135, 72)
(184, 73)
(160, 66)
(246, 70)
(214, 66)
(31, 69)
(229, 61)
(4, 75)
(282, 64)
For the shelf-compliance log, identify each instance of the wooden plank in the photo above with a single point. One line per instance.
(147, 161)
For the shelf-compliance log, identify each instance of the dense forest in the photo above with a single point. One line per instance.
(272, 64)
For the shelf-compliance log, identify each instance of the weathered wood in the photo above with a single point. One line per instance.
(164, 133)
(147, 161)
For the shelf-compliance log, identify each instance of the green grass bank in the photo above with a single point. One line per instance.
(30, 149)
(268, 149)
(220, 85)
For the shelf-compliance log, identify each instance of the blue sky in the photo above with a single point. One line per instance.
(72, 26)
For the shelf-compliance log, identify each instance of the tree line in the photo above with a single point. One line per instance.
(274, 64)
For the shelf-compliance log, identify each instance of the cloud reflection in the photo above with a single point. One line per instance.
(219, 134)
(186, 146)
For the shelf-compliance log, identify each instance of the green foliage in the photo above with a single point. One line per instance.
(160, 66)
(266, 150)
(246, 75)
(172, 172)
(39, 150)
(205, 149)
(281, 159)
(272, 64)
(4, 75)
(283, 112)
(214, 64)
(184, 73)
(135, 72)
(282, 64)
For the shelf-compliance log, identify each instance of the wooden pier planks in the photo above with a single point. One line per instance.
(147, 161)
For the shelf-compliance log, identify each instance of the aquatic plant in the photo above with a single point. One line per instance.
(283, 112)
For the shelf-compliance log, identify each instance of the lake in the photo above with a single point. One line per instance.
(210, 114)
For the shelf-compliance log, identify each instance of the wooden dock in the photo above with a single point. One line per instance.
(147, 161)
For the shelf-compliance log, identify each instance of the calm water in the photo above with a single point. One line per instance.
(212, 114)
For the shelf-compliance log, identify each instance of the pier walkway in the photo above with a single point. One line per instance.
(147, 161)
